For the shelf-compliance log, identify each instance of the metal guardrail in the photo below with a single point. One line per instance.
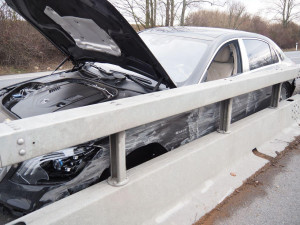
(31, 137)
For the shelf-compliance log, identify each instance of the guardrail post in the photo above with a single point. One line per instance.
(276, 94)
(225, 116)
(118, 159)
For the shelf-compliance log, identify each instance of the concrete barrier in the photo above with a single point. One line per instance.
(182, 185)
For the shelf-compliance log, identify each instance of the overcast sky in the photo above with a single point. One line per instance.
(253, 6)
(256, 7)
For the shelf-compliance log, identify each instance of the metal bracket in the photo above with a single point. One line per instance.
(118, 160)
(276, 94)
(225, 116)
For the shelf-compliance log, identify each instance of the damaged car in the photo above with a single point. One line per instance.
(111, 61)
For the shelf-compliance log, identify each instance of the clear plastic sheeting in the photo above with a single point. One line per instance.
(3, 172)
(86, 33)
(31, 171)
(58, 167)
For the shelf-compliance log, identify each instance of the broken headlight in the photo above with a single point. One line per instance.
(57, 167)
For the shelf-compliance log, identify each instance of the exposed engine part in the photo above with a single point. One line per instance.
(39, 98)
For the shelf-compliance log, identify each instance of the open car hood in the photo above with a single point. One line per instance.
(91, 30)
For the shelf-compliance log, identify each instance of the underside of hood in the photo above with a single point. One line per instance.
(91, 31)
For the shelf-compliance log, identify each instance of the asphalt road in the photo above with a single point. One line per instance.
(295, 56)
(270, 198)
(6, 80)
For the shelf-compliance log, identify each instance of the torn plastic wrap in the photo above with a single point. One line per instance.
(89, 175)
(57, 167)
(3, 172)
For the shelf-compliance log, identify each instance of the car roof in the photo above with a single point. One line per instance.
(203, 33)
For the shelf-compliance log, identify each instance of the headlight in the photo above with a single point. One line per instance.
(57, 167)
(3, 172)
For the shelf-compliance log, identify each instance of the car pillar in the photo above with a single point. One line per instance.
(276, 94)
(118, 159)
(225, 116)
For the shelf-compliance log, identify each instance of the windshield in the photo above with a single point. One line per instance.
(178, 55)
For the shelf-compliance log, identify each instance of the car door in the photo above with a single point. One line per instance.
(184, 128)
(258, 57)
(226, 63)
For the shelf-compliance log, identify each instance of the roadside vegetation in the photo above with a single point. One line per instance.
(285, 32)
(23, 49)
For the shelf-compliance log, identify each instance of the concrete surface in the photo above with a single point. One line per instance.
(272, 197)
(294, 56)
(6, 80)
(186, 183)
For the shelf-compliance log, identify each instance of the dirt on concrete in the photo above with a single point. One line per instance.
(253, 187)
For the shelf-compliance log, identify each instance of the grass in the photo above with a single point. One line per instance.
(290, 49)
(11, 70)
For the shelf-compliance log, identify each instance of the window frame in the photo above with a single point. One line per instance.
(245, 58)
(239, 54)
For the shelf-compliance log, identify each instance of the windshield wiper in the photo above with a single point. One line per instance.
(141, 81)
(113, 74)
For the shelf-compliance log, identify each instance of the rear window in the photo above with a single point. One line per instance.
(259, 53)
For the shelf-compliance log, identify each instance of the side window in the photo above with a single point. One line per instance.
(226, 63)
(259, 53)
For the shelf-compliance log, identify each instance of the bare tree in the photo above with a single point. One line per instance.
(153, 6)
(285, 11)
(185, 4)
(237, 14)
(144, 12)
(168, 5)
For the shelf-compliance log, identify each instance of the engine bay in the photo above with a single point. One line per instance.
(36, 98)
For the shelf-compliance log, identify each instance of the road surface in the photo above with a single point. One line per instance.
(272, 197)
(6, 80)
(294, 56)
